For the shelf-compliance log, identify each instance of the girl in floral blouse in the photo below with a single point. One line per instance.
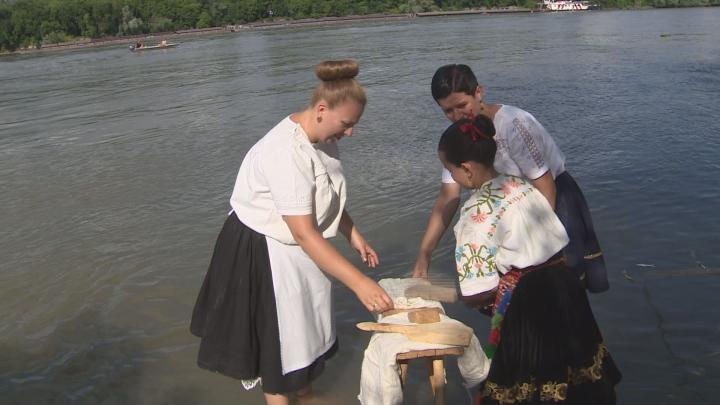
(508, 236)
(506, 226)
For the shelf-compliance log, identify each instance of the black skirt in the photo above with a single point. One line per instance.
(582, 253)
(236, 318)
(551, 350)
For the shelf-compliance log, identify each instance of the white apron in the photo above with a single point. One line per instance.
(303, 297)
(303, 294)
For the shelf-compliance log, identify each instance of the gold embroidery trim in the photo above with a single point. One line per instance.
(550, 391)
(593, 256)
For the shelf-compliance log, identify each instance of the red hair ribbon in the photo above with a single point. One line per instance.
(469, 128)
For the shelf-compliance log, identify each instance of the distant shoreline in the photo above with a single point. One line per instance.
(281, 23)
(255, 26)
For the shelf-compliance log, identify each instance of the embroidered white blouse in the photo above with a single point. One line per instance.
(504, 224)
(524, 147)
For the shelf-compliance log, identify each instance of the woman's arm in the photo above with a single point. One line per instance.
(357, 241)
(443, 211)
(546, 185)
(322, 252)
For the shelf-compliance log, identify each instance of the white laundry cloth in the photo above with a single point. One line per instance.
(380, 373)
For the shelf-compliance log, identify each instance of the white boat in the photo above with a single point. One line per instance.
(134, 48)
(566, 5)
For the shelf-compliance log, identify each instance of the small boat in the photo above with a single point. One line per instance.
(165, 45)
(567, 5)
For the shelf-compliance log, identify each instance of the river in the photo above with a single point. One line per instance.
(116, 170)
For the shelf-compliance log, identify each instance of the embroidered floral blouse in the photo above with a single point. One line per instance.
(504, 224)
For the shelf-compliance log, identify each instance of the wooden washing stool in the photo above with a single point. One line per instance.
(436, 368)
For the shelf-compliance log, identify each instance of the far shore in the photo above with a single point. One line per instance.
(156, 37)
(151, 38)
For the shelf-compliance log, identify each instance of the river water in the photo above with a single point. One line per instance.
(116, 170)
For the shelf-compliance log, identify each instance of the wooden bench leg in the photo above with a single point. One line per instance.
(403, 373)
(437, 379)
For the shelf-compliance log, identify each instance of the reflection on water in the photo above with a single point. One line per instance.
(116, 170)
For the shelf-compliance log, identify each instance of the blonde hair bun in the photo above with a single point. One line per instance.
(332, 70)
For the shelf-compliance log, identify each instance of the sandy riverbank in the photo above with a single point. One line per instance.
(278, 23)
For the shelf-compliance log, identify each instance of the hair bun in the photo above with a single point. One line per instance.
(337, 70)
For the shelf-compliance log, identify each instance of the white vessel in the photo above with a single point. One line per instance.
(565, 5)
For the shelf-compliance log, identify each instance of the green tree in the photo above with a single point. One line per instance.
(204, 21)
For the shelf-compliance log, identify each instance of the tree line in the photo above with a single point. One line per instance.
(32, 23)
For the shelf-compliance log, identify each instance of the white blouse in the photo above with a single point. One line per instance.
(285, 174)
(524, 147)
(504, 224)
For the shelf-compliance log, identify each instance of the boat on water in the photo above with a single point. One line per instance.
(567, 5)
(138, 47)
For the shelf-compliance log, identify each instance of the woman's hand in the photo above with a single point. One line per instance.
(421, 268)
(367, 253)
(373, 296)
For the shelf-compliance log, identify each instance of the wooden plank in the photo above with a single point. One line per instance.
(430, 315)
(415, 354)
(432, 292)
(440, 332)
(410, 310)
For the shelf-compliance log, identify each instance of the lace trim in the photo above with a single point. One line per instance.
(250, 384)
(524, 133)
(550, 391)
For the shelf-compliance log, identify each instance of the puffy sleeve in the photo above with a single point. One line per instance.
(526, 146)
(475, 250)
(290, 177)
(531, 236)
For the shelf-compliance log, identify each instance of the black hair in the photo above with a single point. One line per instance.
(469, 140)
(454, 78)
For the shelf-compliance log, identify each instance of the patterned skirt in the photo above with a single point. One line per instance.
(551, 350)
(505, 289)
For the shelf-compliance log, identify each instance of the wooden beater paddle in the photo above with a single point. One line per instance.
(440, 332)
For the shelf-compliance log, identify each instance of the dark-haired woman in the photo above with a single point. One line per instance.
(265, 312)
(524, 149)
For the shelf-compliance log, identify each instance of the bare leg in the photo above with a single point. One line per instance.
(306, 396)
(305, 391)
(276, 399)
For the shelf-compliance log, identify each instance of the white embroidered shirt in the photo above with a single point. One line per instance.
(504, 224)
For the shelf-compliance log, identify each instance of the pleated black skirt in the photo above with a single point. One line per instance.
(551, 350)
(236, 318)
(582, 254)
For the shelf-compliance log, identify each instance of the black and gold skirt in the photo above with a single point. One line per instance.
(551, 350)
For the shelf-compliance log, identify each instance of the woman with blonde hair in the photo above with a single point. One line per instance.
(265, 311)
